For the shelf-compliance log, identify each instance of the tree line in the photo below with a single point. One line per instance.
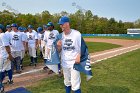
(86, 23)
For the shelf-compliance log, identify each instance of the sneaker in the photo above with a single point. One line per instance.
(45, 68)
(2, 90)
(50, 72)
(21, 66)
(35, 65)
(18, 71)
(10, 82)
(60, 74)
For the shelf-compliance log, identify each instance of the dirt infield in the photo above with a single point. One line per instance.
(27, 79)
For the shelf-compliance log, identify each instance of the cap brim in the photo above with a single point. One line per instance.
(61, 23)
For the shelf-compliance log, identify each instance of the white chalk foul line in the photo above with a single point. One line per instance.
(114, 55)
(28, 72)
(114, 51)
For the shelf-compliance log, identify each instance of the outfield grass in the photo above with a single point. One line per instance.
(120, 74)
(100, 46)
(113, 37)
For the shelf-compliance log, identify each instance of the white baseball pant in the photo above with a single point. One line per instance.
(72, 78)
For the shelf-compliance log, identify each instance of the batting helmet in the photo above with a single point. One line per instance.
(39, 29)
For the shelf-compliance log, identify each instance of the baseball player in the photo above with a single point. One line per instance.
(52, 37)
(32, 45)
(70, 45)
(5, 56)
(8, 70)
(41, 43)
(45, 39)
(23, 47)
(17, 40)
(8, 28)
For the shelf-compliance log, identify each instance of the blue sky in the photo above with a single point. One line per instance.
(125, 10)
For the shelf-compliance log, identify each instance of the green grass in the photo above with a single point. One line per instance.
(100, 46)
(114, 37)
(26, 60)
(120, 74)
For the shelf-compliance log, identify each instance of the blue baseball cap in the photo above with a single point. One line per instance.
(21, 29)
(39, 29)
(8, 26)
(25, 28)
(30, 26)
(50, 24)
(14, 25)
(63, 20)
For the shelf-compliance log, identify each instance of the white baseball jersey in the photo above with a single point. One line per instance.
(8, 35)
(16, 41)
(52, 37)
(3, 42)
(32, 38)
(46, 36)
(41, 37)
(71, 46)
(5, 64)
(24, 36)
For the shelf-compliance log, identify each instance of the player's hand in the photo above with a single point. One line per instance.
(26, 50)
(77, 60)
(36, 47)
(10, 57)
(59, 45)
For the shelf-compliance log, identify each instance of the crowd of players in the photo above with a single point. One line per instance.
(17, 41)
(26, 40)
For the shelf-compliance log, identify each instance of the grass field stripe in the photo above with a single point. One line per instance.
(113, 56)
(114, 51)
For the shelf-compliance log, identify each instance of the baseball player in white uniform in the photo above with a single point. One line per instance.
(5, 56)
(17, 40)
(51, 38)
(32, 44)
(8, 70)
(70, 46)
(8, 30)
(41, 42)
(45, 49)
(23, 47)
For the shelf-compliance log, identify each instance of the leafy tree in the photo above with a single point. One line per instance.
(83, 21)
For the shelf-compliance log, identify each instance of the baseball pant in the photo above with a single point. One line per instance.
(5, 65)
(72, 78)
(32, 52)
(17, 60)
